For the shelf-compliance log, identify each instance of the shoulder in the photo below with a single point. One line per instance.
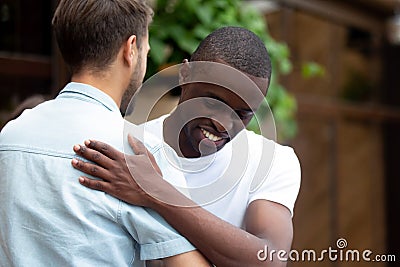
(285, 157)
(154, 128)
(282, 155)
(278, 174)
(156, 122)
(25, 125)
(142, 133)
(151, 135)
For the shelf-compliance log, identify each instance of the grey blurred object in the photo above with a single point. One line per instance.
(28, 103)
(393, 26)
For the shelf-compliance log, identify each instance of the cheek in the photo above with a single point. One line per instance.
(144, 65)
(194, 123)
(246, 121)
(188, 125)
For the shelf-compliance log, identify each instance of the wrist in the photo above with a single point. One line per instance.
(165, 196)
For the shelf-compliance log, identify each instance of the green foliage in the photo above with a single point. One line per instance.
(312, 69)
(180, 25)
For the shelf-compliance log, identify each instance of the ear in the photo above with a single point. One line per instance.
(184, 76)
(184, 72)
(130, 51)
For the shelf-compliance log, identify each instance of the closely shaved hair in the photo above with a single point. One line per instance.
(239, 47)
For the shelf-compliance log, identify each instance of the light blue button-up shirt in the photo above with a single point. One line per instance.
(46, 217)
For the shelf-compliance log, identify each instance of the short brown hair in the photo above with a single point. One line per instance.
(90, 33)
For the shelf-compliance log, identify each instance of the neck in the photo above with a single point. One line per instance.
(103, 82)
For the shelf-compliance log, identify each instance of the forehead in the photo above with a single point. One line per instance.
(226, 78)
(229, 97)
(234, 88)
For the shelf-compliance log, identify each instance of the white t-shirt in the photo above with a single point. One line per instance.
(248, 168)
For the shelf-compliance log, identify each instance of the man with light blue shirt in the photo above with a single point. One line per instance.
(46, 218)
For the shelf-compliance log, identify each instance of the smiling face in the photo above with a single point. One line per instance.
(218, 114)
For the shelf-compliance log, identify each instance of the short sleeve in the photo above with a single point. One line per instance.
(155, 237)
(282, 183)
(163, 154)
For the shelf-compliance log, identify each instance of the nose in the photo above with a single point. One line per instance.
(223, 122)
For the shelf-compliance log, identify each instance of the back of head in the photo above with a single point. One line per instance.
(90, 33)
(239, 47)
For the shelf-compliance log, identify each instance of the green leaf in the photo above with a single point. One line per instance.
(205, 13)
(187, 42)
(200, 31)
(285, 66)
(191, 5)
(176, 31)
(312, 69)
(158, 51)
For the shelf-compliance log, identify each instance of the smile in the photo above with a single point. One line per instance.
(210, 136)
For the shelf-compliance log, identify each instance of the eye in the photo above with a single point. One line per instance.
(244, 114)
(210, 103)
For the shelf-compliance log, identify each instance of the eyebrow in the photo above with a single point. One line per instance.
(212, 95)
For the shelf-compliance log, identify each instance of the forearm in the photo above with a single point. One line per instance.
(268, 224)
(222, 243)
(192, 258)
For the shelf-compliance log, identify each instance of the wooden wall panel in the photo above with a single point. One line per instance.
(339, 144)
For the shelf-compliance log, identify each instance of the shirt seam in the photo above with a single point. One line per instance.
(85, 93)
(37, 150)
(119, 212)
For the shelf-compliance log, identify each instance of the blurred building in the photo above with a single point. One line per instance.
(29, 62)
(349, 119)
(349, 124)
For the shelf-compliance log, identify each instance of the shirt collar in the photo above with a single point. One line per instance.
(88, 93)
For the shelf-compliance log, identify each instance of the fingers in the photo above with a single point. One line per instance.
(103, 148)
(136, 145)
(95, 184)
(91, 169)
(93, 155)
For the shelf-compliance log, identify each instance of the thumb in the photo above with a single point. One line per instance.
(136, 145)
(139, 149)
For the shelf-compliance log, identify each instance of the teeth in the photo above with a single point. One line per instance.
(210, 136)
(216, 138)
